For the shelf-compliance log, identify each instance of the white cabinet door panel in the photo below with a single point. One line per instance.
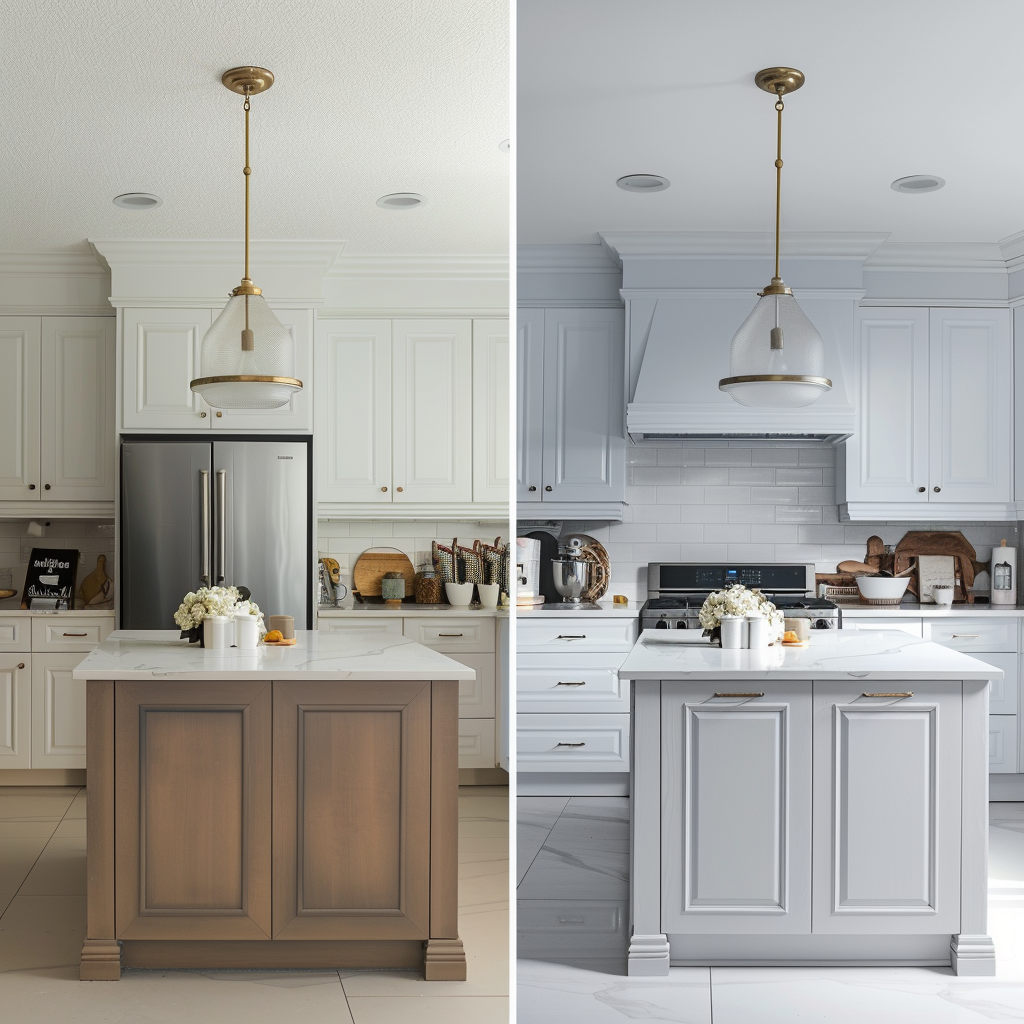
(476, 743)
(572, 743)
(19, 408)
(971, 405)
(584, 405)
(15, 711)
(298, 413)
(886, 809)
(354, 410)
(887, 457)
(451, 635)
(476, 696)
(570, 683)
(432, 403)
(161, 359)
(360, 624)
(490, 410)
(736, 798)
(1002, 693)
(15, 633)
(1002, 744)
(529, 404)
(77, 425)
(58, 712)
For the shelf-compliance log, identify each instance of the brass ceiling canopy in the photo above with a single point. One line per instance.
(250, 81)
(776, 80)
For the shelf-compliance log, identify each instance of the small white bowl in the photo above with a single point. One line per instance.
(943, 594)
(459, 594)
(882, 589)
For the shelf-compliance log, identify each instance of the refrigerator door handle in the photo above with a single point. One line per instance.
(204, 478)
(221, 532)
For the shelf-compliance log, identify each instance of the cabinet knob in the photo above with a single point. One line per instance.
(219, 415)
(399, 489)
(46, 487)
(202, 415)
(921, 490)
(936, 489)
(533, 487)
(21, 664)
(31, 487)
(383, 488)
(548, 488)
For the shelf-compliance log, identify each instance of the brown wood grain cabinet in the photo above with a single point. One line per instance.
(273, 824)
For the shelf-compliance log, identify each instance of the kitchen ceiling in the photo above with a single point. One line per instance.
(667, 87)
(103, 97)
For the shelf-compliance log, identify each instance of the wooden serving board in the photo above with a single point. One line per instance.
(372, 564)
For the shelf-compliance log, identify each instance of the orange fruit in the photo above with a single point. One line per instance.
(790, 637)
(273, 636)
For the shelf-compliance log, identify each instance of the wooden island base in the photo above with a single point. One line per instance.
(272, 824)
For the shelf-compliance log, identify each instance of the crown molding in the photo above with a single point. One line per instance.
(61, 264)
(852, 245)
(566, 259)
(1012, 249)
(422, 267)
(216, 251)
(969, 257)
(947, 300)
(411, 312)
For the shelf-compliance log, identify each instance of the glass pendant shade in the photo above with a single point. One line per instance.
(777, 358)
(235, 377)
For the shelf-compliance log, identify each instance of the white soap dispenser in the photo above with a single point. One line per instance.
(1003, 570)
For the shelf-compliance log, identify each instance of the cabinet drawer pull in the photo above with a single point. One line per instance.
(560, 682)
(21, 664)
(761, 694)
(965, 636)
(75, 634)
(450, 634)
(571, 636)
(909, 693)
(580, 744)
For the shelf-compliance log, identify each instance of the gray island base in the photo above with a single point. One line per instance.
(286, 807)
(809, 806)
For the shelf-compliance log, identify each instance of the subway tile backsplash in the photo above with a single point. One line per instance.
(743, 504)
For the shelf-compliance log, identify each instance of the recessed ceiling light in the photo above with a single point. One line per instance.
(137, 201)
(918, 183)
(643, 183)
(401, 201)
(505, 145)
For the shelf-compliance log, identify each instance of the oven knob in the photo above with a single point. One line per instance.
(821, 624)
(661, 624)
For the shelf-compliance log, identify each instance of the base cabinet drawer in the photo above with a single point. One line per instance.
(1002, 693)
(542, 636)
(973, 633)
(570, 684)
(15, 633)
(476, 696)
(452, 636)
(80, 633)
(15, 711)
(1002, 744)
(572, 743)
(476, 743)
(361, 625)
(887, 624)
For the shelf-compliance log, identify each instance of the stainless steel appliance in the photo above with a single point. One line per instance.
(196, 512)
(572, 578)
(676, 591)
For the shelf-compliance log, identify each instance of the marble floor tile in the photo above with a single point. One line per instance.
(12, 829)
(555, 994)
(35, 803)
(16, 859)
(483, 872)
(485, 814)
(42, 931)
(59, 871)
(535, 817)
(70, 828)
(77, 808)
(485, 938)
(440, 1010)
(171, 997)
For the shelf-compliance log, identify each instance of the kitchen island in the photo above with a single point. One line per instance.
(283, 807)
(809, 806)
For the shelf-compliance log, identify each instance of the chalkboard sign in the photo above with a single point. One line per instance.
(50, 580)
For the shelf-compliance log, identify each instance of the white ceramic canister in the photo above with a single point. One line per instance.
(217, 633)
(757, 632)
(488, 594)
(734, 628)
(247, 633)
(1003, 570)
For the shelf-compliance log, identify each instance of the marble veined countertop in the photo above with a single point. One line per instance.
(928, 611)
(832, 654)
(354, 654)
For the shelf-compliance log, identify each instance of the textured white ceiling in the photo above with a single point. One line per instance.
(101, 97)
(894, 87)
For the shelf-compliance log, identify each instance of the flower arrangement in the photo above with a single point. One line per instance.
(207, 601)
(738, 600)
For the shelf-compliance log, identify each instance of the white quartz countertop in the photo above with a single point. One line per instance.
(832, 654)
(73, 614)
(352, 610)
(160, 654)
(607, 610)
(917, 611)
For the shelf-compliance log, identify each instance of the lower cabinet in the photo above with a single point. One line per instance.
(793, 810)
(15, 710)
(58, 712)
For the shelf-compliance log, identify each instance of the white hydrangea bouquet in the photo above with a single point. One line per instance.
(207, 601)
(738, 600)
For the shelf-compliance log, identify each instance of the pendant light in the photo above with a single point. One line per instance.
(777, 358)
(247, 354)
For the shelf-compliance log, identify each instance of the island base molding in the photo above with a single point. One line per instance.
(973, 956)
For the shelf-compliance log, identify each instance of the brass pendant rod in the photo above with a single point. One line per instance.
(779, 106)
(247, 171)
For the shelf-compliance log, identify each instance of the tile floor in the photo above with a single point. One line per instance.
(42, 922)
(573, 867)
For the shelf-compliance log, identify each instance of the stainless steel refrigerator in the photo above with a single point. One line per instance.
(196, 512)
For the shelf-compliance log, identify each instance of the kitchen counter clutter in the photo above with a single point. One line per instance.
(405, 610)
(809, 806)
(288, 807)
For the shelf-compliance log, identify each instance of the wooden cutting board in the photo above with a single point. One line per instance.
(373, 563)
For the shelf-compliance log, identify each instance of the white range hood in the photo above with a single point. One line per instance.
(686, 295)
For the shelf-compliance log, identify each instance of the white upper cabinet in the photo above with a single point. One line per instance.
(935, 416)
(353, 420)
(162, 356)
(57, 409)
(582, 457)
(432, 411)
(491, 410)
(19, 407)
(529, 404)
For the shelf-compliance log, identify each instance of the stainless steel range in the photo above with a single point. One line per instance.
(676, 591)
